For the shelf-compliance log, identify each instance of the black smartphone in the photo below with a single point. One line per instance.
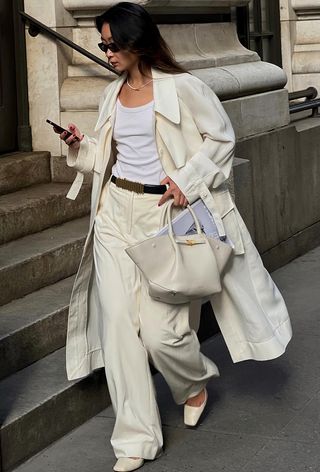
(60, 129)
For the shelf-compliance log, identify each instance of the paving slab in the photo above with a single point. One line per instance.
(305, 426)
(285, 456)
(299, 283)
(209, 451)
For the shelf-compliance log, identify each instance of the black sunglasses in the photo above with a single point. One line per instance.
(112, 46)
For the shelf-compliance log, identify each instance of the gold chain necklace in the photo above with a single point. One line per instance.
(138, 88)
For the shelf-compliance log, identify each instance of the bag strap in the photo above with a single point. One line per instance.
(168, 215)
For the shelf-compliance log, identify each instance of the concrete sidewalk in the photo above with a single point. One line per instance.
(261, 416)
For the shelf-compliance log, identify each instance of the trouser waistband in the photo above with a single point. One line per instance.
(138, 187)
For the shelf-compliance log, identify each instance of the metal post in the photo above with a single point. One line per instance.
(24, 129)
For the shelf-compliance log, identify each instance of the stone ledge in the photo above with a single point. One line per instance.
(306, 62)
(256, 114)
(243, 79)
(305, 6)
(83, 5)
(83, 93)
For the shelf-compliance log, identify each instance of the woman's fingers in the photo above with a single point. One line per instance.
(165, 197)
(183, 201)
(75, 131)
(173, 192)
(72, 139)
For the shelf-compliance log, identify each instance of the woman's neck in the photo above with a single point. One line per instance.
(136, 78)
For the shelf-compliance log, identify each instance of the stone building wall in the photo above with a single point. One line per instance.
(300, 38)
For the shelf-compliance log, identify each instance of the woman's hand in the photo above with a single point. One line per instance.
(172, 192)
(72, 141)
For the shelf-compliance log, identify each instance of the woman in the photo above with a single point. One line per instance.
(165, 129)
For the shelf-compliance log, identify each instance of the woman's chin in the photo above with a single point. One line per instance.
(116, 67)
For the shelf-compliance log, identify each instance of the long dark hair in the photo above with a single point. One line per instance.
(134, 30)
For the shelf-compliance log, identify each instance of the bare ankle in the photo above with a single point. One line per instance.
(197, 400)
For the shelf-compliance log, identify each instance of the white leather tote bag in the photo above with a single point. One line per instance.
(181, 268)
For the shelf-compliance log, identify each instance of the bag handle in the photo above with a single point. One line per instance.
(169, 219)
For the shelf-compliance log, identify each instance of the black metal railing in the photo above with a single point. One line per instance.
(36, 27)
(310, 102)
(308, 93)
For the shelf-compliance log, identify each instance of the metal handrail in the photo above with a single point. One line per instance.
(309, 93)
(310, 102)
(36, 27)
(313, 105)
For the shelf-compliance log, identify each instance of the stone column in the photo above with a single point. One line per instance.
(47, 64)
(300, 36)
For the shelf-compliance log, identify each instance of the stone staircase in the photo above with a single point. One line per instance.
(41, 239)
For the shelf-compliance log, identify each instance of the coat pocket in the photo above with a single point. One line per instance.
(226, 208)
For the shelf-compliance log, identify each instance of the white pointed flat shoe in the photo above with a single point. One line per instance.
(193, 413)
(126, 464)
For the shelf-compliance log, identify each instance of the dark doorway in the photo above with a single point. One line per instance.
(8, 94)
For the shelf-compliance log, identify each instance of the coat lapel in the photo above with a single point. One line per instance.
(165, 96)
(168, 117)
(108, 106)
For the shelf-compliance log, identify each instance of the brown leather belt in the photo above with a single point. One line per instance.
(137, 187)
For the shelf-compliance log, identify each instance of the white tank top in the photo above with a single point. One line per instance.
(137, 155)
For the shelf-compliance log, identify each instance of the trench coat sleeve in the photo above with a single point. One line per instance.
(82, 160)
(212, 163)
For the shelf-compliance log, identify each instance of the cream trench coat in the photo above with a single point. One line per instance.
(195, 142)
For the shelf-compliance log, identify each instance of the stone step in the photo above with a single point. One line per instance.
(40, 259)
(21, 169)
(37, 207)
(39, 405)
(33, 326)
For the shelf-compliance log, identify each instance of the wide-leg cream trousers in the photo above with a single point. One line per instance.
(135, 329)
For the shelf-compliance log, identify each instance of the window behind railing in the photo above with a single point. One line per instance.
(259, 29)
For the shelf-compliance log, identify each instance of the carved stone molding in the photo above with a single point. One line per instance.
(103, 4)
(85, 8)
(300, 38)
(302, 7)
